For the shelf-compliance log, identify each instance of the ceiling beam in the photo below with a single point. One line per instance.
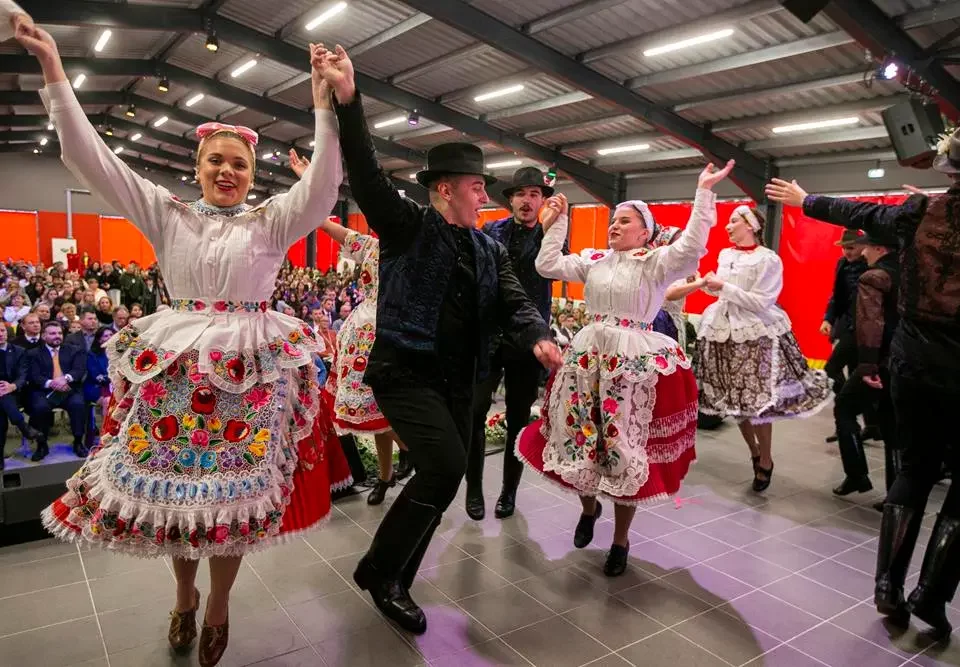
(652, 156)
(807, 139)
(877, 32)
(463, 53)
(148, 17)
(131, 67)
(765, 92)
(539, 105)
(869, 105)
(750, 173)
(685, 30)
(589, 123)
(394, 31)
(571, 13)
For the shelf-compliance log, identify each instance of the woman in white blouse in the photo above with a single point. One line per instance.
(211, 447)
(747, 361)
(16, 311)
(620, 416)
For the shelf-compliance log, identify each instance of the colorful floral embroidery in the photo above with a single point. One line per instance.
(598, 255)
(624, 322)
(200, 306)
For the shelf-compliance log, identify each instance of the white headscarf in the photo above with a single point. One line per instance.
(641, 207)
(748, 215)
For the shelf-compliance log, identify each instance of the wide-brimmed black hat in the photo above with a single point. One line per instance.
(888, 241)
(849, 238)
(528, 177)
(453, 158)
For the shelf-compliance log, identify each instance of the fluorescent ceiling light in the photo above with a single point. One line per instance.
(193, 100)
(313, 142)
(102, 42)
(411, 175)
(390, 121)
(136, 137)
(329, 13)
(160, 121)
(505, 163)
(269, 156)
(250, 64)
(118, 150)
(36, 150)
(79, 80)
(692, 41)
(623, 149)
(816, 125)
(251, 196)
(498, 93)
(43, 141)
(184, 178)
(50, 126)
(876, 172)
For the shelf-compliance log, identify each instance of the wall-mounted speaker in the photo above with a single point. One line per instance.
(914, 129)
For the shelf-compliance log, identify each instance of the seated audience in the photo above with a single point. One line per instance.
(55, 375)
(28, 333)
(121, 318)
(13, 380)
(345, 309)
(16, 311)
(96, 385)
(105, 310)
(88, 329)
(42, 311)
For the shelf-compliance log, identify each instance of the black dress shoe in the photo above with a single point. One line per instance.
(379, 492)
(506, 504)
(391, 598)
(404, 466)
(761, 483)
(832, 438)
(583, 535)
(41, 451)
(80, 450)
(850, 485)
(476, 507)
(30, 433)
(616, 560)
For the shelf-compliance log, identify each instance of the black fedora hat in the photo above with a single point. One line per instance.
(528, 177)
(453, 158)
(886, 240)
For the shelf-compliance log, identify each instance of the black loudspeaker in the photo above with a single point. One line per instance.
(914, 129)
(804, 9)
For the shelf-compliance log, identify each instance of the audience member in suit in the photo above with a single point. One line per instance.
(28, 336)
(13, 378)
(121, 317)
(55, 375)
(88, 325)
(43, 311)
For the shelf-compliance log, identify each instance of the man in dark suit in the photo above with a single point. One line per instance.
(521, 235)
(29, 332)
(55, 375)
(445, 288)
(13, 379)
(88, 330)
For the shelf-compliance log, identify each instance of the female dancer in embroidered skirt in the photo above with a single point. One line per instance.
(620, 416)
(211, 447)
(355, 410)
(747, 361)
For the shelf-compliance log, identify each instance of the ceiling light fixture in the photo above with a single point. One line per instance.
(50, 126)
(160, 121)
(136, 137)
(888, 71)
(109, 131)
(102, 42)
(411, 175)
(79, 80)
(163, 85)
(44, 141)
(389, 121)
(118, 150)
(505, 163)
(692, 41)
(193, 100)
(630, 148)
(498, 93)
(36, 151)
(816, 125)
(131, 111)
(213, 43)
(245, 67)
(876, 172)
(413, 118)
(326, 15)
(313, 143)
(251, 196)
(183, 178)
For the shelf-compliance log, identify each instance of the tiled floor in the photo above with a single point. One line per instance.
(720, 577)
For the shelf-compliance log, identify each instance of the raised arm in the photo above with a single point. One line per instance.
(82, 150)
(552, 262)
(393, 217)
(337, 232)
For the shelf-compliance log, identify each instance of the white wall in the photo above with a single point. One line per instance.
(38, 183)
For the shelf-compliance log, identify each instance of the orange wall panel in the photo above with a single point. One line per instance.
(20, 235)
(121, 241)
(53, 225)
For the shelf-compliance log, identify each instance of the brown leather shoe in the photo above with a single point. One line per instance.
(183, 626)
(213, 642)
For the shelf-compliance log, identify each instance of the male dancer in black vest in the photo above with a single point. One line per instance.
(445, 288)
(521, 235)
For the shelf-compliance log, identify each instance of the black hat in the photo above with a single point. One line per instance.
(528, 177)
(886, 240)
(453, 158)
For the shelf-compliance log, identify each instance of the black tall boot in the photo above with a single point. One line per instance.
(939, 576)
(413, 565)
(899, 529)
(380, 571)
(475, 504)
(404, 466)
(854, 464)
(507, 502)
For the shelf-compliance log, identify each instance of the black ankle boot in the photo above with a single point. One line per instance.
(583, 534)
(476, 506)
(939, 576)
(898, 536)
(400, 537)
(404, 466)
(850, 485)
(379, 492)
(42, 450)
(616, 563)
(507, 502)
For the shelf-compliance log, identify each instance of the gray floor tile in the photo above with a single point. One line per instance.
(657, 559)
(941, 655)
(669, 648)
(293, 554)
(612, 622)
(517, 563)
(841, 578)
(487, 654)
(505, 609)
(811, 597)
(262, 636)
(651, 525)
(156, 654)
(298, 584)
(32, 551)
(100, 563)
(839, 648)
(694, 544)
(864, 621)
(450, 629)
(560, 590)
(341, 542)
(778, 552)
(464, 578)
(813, 540)
(730, 532)
(138, 626)
(663, 603)
(476, 537)
(61, 645)
(612, 660)
(555, 643)
(346, 613)
(748, 568)
(727, 637)
(40, 608)
(305, 657)
(784, 656)
(592, 571)
(37, 575)
(771, 615)
(132, 589)
(703, 582)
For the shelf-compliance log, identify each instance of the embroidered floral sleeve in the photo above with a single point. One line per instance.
(871, 289)
(357, 247)
(553, 264)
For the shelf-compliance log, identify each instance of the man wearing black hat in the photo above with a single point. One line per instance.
(521, 235)
(876, 319)
(445, 289)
